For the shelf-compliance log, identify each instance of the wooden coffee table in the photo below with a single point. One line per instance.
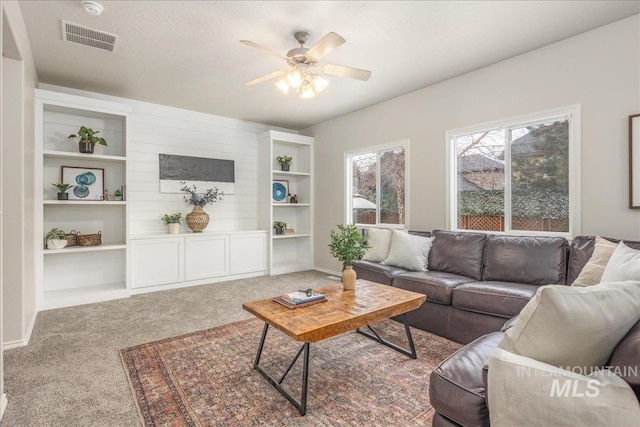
(343, 312)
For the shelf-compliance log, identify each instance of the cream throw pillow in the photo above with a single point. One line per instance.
(409, 251)
(592, 271)
(624, 264)
(570, 326)
(380, 241)
(525, 392)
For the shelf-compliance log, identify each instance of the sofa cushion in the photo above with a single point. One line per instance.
(592, 271)
(570, 326)
(458, 253)
(375, 272)
(624, 264)
(379, 240)
(436, 285)
(409, 251)
(456, 388)
(523, 391)
(533, 260)
(581, 251)
(501, 299)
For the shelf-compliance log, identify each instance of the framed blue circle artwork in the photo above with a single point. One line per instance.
(279, 190)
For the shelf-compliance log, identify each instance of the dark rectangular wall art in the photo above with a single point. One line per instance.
(202, 172)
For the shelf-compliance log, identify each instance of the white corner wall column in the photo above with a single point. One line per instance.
(17, 168)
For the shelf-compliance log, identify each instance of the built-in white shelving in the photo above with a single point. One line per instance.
(80, 274)
(84, 203)
(287, 252)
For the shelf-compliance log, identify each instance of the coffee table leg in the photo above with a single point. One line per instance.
(412, 349)
(301, 405)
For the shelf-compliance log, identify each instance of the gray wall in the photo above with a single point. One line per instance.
(599, 69)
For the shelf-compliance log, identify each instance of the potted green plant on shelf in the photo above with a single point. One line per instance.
(173, 222)
(56, 238)
(118, 194)
(198, 219)
(348, 245)
(88, 139)
(279, 226)
(285, 162)
(62, 190)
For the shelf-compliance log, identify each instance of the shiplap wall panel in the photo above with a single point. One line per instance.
(153, 131)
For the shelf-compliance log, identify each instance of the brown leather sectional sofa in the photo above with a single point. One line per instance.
(475, 284)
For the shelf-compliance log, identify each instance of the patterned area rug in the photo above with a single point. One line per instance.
(206, 378)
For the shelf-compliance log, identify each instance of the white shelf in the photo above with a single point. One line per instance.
(287, 252)
(71, 155)
(80, 274)
(291, 173)
(291, 205)
(72, 249)
(84, 202)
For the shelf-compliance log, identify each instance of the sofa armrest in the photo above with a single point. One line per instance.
(509, 324)
(625, 360)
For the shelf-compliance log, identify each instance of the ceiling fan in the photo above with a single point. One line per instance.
(303, 66)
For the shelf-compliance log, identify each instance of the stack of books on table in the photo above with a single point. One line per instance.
(300, 299)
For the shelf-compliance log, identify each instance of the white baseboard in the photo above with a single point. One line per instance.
(24, 341)
(3, 404)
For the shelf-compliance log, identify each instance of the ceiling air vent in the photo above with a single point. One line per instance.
(78, 34)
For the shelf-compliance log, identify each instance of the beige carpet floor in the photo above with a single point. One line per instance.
(70, 374)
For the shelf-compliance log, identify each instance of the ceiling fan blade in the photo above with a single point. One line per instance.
(325, 45)
(342, 71)
(267, 77)
(262, 48)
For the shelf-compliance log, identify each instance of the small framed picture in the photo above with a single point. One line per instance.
(279, 191)
(88, 183)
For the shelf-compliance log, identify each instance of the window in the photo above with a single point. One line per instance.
(376, 185)
(520, 176)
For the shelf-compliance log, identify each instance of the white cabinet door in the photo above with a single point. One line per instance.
(206, 257)
(157, 262)
(248, 253)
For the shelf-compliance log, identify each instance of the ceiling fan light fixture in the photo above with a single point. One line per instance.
(294, 79)
(283, 86)
(307, 91)
(319, 84)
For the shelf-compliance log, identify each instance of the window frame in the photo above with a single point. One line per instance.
(348, 169)
(572, 114)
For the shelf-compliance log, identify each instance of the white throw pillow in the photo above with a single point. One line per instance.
(569, 326)
(592, 271)
(624, 264)
(409, 251)
(380, 241)
(522, 391)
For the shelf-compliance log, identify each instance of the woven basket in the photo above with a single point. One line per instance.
(72, 238)
(90, 239)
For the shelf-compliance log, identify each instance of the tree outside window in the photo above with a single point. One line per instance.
(377, 186)
(514, 178)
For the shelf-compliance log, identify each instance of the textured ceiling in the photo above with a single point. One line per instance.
(186, 53)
